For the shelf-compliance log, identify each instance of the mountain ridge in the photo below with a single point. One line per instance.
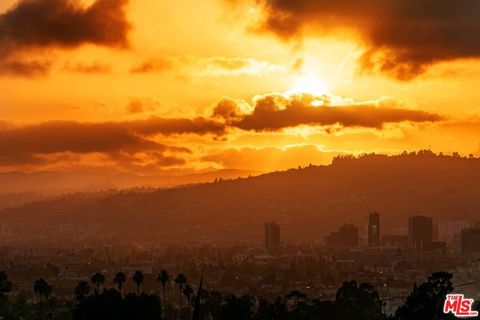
(307, 202)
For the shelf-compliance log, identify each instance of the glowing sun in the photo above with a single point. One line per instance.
(310, 84)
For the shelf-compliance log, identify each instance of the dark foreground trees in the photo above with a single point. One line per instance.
(352, 301)
(111, 305)
(5, 289)
(426, 301)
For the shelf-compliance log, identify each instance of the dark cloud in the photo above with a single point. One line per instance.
(135, 106)
(88, 68)
(171, 126)
(275, 111)
(142, 105)
(151, 161)
(402, 37)
(230, 63)
(24, 68)
(153, 65)
(27, 144)
(46, 24)
(227, 109)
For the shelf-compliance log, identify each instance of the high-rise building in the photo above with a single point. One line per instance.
(346, 236)
(470, 239)
(420, 230)
(374, 229)
(272, 235)
(449, 229)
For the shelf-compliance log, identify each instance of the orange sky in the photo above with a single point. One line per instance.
(171, 86)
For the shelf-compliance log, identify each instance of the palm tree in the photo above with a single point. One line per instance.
(163, 279)
(138, 279)
(42, 289)
(119, 280)
(82, 290)
(180, 280)
(201, 293)
(188, 291)
(5, 289)
(5, 285)
(98, 280)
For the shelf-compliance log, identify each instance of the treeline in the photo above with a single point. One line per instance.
(94, 301)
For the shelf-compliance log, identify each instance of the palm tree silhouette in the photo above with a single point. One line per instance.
(42, 289)
(5, 285)
(82, 290)
(98, 280)
(163, 279)
(198, 300)
(5, 289)
(188, 291)
(180, 280)
(138, 279)
(119, 279)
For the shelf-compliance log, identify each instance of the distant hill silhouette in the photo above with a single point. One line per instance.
(48, 183)
(307, 202)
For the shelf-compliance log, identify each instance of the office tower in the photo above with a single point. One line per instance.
(449, 229)
(420, 231)
(346, 236)
(374, 229)
(272, 235)
(470, 239)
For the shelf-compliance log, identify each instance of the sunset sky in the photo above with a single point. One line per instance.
(183, 86)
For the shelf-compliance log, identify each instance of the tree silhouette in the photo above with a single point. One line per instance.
(280, 308)
(163, 279)
(426, 301)
(119, 280)
(138, 279)
(180, 280)
(352, 302)
(42, 289)
(110, 305)
(264, 311)
(236, 308)
(5, 284)
(213, 304)
(268, 311)
(98, 280)
(82, 290)
(363, 301)
(5, 289)
(188, 291)
(198, 301)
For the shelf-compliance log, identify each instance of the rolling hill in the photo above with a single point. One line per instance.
(307, 202)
